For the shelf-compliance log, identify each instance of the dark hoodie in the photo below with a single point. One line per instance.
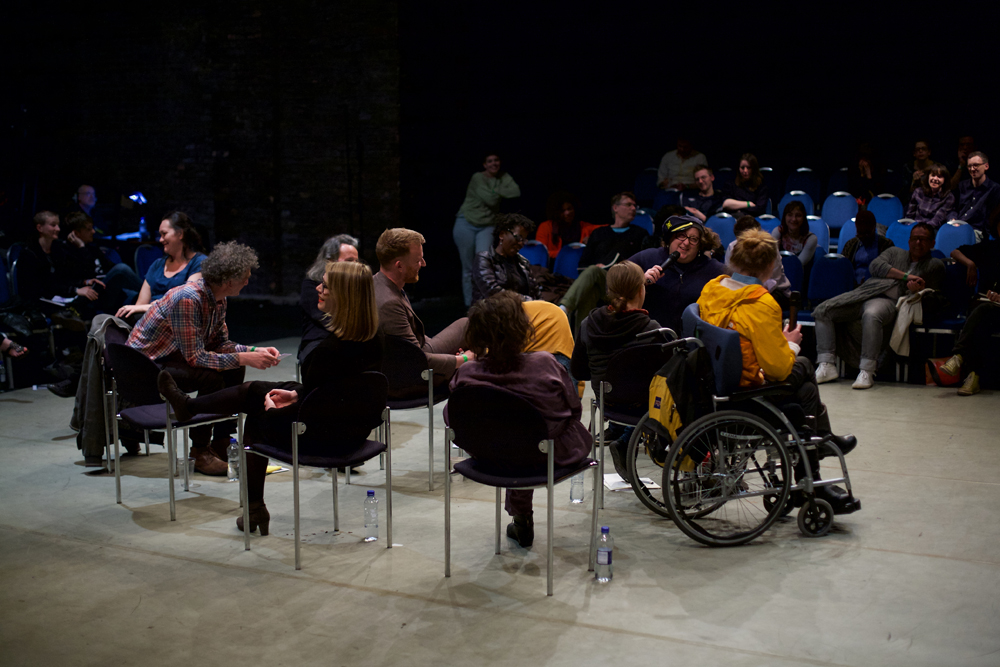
(603, 333)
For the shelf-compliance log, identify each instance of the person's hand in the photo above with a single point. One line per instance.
(866, 168)
(261, 358)
(460, 357)
(94, 281)
(75, 240)
(696, 213)
(793, 336)
(993, 296)
(918, 174)
(280, 398)
(88, 292)
(915, 284)
(126, 311)
(963, 157)
(971, 275)
(653, 274)
(275, 352)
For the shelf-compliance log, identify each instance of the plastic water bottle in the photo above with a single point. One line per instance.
(143, 232)
(605, 546)
(234, 460)
(576, 489)
(371, 517)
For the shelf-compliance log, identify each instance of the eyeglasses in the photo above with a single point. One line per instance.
(517, 237)
(920, 239)
(975, 166)
(690, 238)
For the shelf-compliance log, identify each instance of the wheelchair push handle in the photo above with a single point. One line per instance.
(682, 342)
(665, 332)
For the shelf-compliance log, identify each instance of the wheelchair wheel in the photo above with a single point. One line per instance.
(645, 461)
(816, 518)
(726, 479)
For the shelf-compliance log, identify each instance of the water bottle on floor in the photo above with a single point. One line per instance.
(605, 545)
(576, 489)
(234, 460)
(371, 517)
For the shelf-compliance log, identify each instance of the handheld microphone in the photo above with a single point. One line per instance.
(670, 260)
(793, 309)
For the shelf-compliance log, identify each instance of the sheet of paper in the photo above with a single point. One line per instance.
(614, 482)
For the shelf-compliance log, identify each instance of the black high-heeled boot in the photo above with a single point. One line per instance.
(178, 399)
(845, 443)
(522, 530)
(259, 516)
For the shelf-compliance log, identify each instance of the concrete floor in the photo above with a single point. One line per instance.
(913, 579)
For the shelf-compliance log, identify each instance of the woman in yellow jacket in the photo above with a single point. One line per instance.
(770, 353)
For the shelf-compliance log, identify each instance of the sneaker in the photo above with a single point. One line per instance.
(971, 385)
(953, 366)
(826, 372)
(864, 381)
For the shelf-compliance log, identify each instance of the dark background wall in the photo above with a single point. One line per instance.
(280, 124)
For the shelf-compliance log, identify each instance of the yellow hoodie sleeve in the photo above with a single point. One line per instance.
(774, 355)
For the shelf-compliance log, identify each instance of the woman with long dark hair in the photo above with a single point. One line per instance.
(793, 234)
(748, 194)
(933, 201)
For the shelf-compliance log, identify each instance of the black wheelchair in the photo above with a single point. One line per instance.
(729, 474)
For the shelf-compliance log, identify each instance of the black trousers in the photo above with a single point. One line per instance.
(974, 340)
(204, 381)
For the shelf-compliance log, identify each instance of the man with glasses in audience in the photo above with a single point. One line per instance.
(894, 273)
(706, 201)
(86, 201)
(978, 198)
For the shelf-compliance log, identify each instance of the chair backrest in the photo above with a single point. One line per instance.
(796, 195)
(818, 226)
(794, 270)
(847, 232)
(806, 180)
(722, 224)
(13, 252)
(630, 370)
(536, 253)
(724, 176)
(956, 290)
(5, 291)
(402, 363)
(112, 255)
(838, 208)
(568, 260)
(135, 375)
(886, 208)
(768, 222)
(497, 427)
(145, 255)
(645, 186)
(644, 220)
(723, 348)
(344, 413)
(953, 234)
(669, 197)
(899, 233)
(831, 275)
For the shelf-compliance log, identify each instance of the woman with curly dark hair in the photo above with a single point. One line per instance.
(498, 331)
(502, 267)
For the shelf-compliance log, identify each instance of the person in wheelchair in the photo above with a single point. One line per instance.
(770, 353)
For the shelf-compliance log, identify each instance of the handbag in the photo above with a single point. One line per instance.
(934, 375)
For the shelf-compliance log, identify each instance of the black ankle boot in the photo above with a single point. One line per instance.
(522, 530)
(178, 399)
(845, 443)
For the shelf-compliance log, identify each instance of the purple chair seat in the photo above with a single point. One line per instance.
(492, 475)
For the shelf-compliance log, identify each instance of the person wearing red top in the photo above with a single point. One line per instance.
(562, 225)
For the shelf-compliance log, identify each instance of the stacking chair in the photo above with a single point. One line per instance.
(333, 424)
(134, 382)
(644, 218)
(838, 180)
(112, 255)
(509, 445)
(645, 186)
(768, 222)
(819, 227)
(670, 197)
(536, 253)
(832, 275)
(806, 180)
(796, 195)
(793, 270)
(568, 260)
(899, 232)
(886, 208)
(847, 232)
(722, 224)
(145, 255)
(838, 208)
(405, 366)
(953, 234)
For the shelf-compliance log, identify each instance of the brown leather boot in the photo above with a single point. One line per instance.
(259, 516)
(207, 463)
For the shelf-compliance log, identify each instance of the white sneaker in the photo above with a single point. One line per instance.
(864, 381)
(826, 372)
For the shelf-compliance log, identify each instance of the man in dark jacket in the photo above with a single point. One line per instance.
(865, 247)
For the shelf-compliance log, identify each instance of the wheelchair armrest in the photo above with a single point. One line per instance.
(777, 389)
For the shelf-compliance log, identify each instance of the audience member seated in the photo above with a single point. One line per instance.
(778, 284)
(121, 285)
(682, 279)
(677, 167)
(473, 229)
(894, 273)
(400, 254)
(351, 347)
(180, 264)
(771, 354)
(960, 168)
(865, 247)
(978, 197)
(916, 169)
(607, 244)
(793, 234)
(185, 333)
(982, 262)
(867, 179)
(605, 331)
(85, 201)
(498, 332)
(748, 194)
(339, 248)
(706, 202)
(562, 225)
(932, 200)
(502, 267)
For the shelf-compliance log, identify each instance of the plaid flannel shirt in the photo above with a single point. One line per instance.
(188, 319)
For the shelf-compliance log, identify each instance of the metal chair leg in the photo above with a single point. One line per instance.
(388, 484)
(429, 376)
(496, 549)
(593, 528)
(171, 462)
(187, 453)
(600, 490)
(448, 436)
(244, 497)
(551, 514)
(336, 502)
(297, 429)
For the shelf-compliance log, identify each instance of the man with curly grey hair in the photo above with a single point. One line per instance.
(185, 333)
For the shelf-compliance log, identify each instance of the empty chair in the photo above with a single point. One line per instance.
(671, 197)
(953, 234)
(797, 195)
(793, 270)
(722, 224)
(645, 186)
(886, 208)
(644, 219)
(768, 222)
(847, 232)
(508, 442)
(145, 255)
(568, 260)
(819, 227)
(724, 176)
(805, 180)
(838, 180)
(838, 208)
(899, 233)
(831, 275)
(535, 252)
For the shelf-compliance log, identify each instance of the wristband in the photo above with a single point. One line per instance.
(749, 205)
(465, 357)
(906, 276)
(253, 348)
